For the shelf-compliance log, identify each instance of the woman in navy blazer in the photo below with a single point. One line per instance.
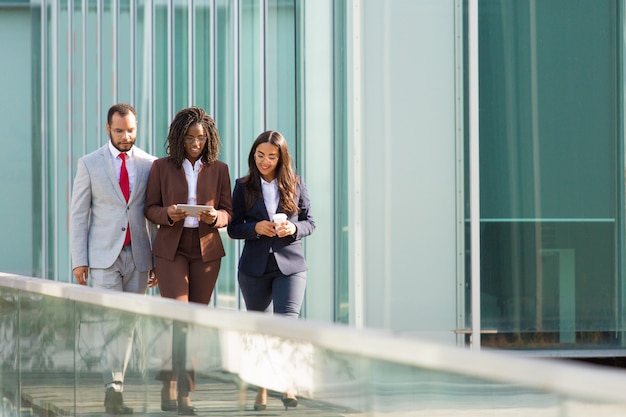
(272, 268)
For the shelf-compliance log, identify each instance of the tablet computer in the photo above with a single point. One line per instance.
(193, 209)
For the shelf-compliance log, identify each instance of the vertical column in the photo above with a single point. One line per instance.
(474, 180)
(354, 161)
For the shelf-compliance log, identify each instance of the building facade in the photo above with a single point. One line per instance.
(465, 158)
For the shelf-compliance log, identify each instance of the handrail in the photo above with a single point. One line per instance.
(547, 375)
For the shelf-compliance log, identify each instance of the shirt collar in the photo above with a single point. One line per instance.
(194, 167)
(115, 152)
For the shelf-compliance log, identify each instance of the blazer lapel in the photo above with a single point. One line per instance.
(140, 183)
(261, 204)
(108, 163)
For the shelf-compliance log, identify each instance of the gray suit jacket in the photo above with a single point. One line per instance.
(99, 213)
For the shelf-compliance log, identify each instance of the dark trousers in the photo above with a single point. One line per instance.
(284, 292)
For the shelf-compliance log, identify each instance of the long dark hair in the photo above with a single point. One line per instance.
(178, 128)
(285, 176)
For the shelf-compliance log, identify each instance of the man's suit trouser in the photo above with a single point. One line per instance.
(118, 334)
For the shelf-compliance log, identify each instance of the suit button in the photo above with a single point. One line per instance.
(123, 229)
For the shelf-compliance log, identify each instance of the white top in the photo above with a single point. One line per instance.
(270, 196)
(191, 173)
(130, 164)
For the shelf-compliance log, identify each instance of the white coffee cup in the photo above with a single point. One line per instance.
(280, 218)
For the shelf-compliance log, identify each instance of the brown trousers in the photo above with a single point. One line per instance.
(187, 278)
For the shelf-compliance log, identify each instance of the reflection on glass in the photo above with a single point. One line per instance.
(549, 284)
(224, 93)
(9, 348)
(203, 68)
(51, 353)
(180, 55)
(550, 174)
(341, 193)
(178, 378)
(280, 70)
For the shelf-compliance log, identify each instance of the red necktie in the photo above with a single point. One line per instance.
(125, 185)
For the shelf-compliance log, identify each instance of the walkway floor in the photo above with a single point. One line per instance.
(44, 395)
(52, 395)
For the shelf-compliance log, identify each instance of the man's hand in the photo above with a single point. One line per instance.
(80, 273)
(152, 279)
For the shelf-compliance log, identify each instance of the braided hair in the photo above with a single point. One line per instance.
(178, 128)
(285, 176)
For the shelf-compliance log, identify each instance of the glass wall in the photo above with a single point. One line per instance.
(340, 152)
(16, 165)
(551, 173)
(243, 61)
(551, 145)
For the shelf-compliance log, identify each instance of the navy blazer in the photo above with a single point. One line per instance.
(288, 250)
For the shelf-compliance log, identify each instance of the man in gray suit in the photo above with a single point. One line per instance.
(107, 200)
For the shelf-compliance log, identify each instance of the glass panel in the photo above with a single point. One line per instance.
(161, 88)
(225, 114)
(55, 353)
(94, 113)
(125, 53)
(38, 156)
(108, 59)
(202, 52)
(251, 103)
(251, 93)
(180, 56)
(9, 348)
(49, 147)
(144, 100)
(551, 172)
(342, 295)
(280, 70)
(45, 356)
(48, 138)
(110, 347)
(94, 52)
(16, 162)
(250, 79)
(76, 94)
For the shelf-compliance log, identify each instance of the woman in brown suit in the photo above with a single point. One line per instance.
(188, 249)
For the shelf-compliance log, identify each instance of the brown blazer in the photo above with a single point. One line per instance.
(167, 185)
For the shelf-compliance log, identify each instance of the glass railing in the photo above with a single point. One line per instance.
(57, 339)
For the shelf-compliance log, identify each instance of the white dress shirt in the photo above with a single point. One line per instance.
(270, 196)
(131, 167)
(191, 173)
